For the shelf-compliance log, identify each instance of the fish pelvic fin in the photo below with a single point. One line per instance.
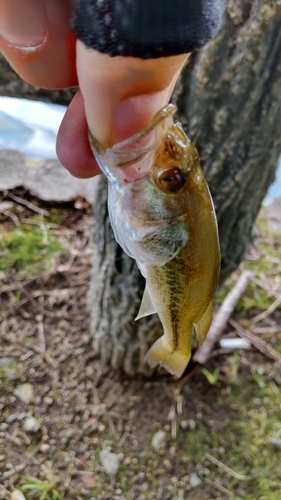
(203, 325)
(161, 353)
(147, 307)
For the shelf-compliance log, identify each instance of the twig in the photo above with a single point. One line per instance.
(275, 442)
(222, 316)
(81, 473)
(267, 330)
(12, 216)
(265, 288)
(259, 344)
(268, 311)
(30, 298)
(28, 204)
(220, 487)
(47, 358)
(14, 471)
(227, 469)
(41, 335)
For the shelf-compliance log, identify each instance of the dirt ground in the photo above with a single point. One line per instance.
(72, 428)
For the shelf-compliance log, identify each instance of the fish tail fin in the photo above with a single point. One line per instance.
(174, 361)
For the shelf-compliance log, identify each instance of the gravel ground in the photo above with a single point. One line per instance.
(87, 432)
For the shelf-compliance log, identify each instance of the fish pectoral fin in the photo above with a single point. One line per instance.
(175, 362)
(141, 268)
(147, 307)
(203, 325)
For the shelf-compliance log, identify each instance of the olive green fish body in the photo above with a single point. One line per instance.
(162, 215)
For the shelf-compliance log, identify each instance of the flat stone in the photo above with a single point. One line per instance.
(24, 392)
(31, 424)
(110, 462)
(194, 480)
(46, 179)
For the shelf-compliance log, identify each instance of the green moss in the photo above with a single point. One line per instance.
(29, 250)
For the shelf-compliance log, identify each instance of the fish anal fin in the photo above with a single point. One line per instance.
(203, 325)
(147, 307)
(175, 362)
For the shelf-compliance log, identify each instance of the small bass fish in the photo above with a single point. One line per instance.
(162, 215)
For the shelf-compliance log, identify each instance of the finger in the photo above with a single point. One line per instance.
(37, 40)
(73, 147)
(121, 94)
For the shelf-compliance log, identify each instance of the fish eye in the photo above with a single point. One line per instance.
(171, 180)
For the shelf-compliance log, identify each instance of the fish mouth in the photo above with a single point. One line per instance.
(133, 158)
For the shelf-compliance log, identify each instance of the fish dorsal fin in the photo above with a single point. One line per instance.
(147, 307)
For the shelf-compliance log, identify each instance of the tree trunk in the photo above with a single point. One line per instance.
(229, 102)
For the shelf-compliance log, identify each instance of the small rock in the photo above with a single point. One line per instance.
(194, 480)
(184, 424)
(110, 462)
(17, 495)
(159, 440)
(167, 464)
(66, 434)
(48, 400)
(24, 392)
(191, 424)
(32, 424)
(44, 448)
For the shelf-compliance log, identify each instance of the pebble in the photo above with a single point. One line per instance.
(191, 424)
(24, 392)
(167, 464)
(194, 480)
(48, 400)
(44, 448)
(31, 424)
(159, 440)
(17, 495)
(110, 462)
(184, 424)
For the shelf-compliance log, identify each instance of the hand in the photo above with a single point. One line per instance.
(118, 95)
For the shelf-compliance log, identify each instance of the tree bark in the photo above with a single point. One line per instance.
(229, 102)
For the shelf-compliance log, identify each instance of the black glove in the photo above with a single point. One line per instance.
(147, 28)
